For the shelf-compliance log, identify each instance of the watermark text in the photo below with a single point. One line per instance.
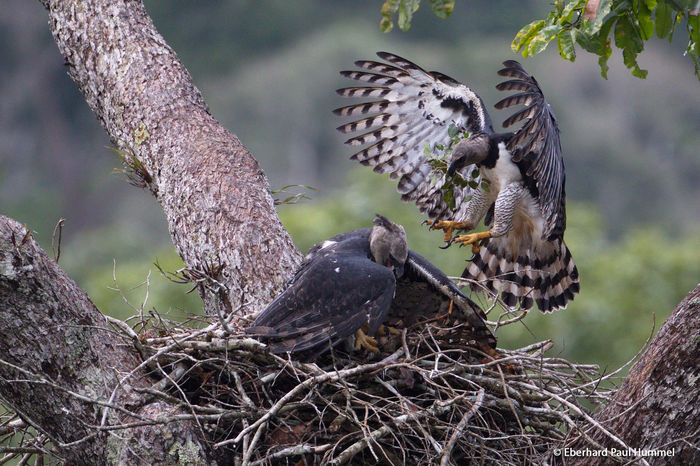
(616, 452)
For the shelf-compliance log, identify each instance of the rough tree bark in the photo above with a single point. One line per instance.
(658, 404)
(215, 197)
(56, 355)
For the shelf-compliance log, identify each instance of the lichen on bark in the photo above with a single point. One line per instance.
(215, 197)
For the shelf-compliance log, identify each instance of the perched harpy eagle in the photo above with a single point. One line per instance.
(523, 254)
(360, 278)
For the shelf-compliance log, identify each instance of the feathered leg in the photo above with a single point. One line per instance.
(506, 203)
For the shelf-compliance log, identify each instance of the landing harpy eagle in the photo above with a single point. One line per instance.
(357, 279)
(523, 254)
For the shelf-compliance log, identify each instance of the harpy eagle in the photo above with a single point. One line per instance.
(517, 178)
(358, 279)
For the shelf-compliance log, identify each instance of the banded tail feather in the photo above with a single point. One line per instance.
(545, 275)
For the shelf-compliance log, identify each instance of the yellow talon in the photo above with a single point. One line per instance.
(474, 239)
(448, 227)
(362, 340)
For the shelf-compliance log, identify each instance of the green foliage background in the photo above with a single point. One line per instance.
(626, 284)
(268, 70)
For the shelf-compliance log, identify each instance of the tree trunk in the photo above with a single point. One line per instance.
(60, 366)
(658, 405)
(57, 356)
(215, 197)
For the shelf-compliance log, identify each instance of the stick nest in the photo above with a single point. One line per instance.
(423, 400)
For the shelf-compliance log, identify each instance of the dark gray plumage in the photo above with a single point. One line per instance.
(524, 257)
(357, 278)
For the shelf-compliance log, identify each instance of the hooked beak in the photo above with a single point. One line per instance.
(468, 152)
(396, 267)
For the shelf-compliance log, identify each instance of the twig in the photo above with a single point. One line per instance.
(328, 377)
(12, 426)
(292, 451)
(253, 443)
(15, 450)
(358, 446)
(56, 243)
(447, 451)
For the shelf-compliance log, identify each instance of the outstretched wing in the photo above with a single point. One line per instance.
(415, 107)
(425, 291)
(334, 296)
(536, 142)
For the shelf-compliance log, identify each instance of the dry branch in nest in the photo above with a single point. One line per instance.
(424, 400)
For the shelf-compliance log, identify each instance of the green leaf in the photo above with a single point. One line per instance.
(589, 42)
(442, 8)
(567, 12)
(630, 59)
(385, 25)
(646, 24)
(603, 58)
(389, 8)
(627, 36)
(694, 26)
(679, 5)
(694, 35)
(406, 10)
(605, 49)
(565, 43)
(525, 35)
(449, 198)
(664, 19)
(542, 39)
(452, 131)
(592, 27)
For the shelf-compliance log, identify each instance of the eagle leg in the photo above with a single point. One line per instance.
(474, 239)
(362, 340)
(448, 226)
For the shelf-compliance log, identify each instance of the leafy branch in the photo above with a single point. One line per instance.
(406, 9)
(595, 25)
(439, 159)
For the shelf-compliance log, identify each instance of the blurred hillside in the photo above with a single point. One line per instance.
(268, 71)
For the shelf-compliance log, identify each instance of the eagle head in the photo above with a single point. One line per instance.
(469, 151)
(387, 243)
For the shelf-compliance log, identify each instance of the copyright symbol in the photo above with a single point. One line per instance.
(557, 452)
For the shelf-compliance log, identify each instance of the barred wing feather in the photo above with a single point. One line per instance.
(536, 141)
(415, 107)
